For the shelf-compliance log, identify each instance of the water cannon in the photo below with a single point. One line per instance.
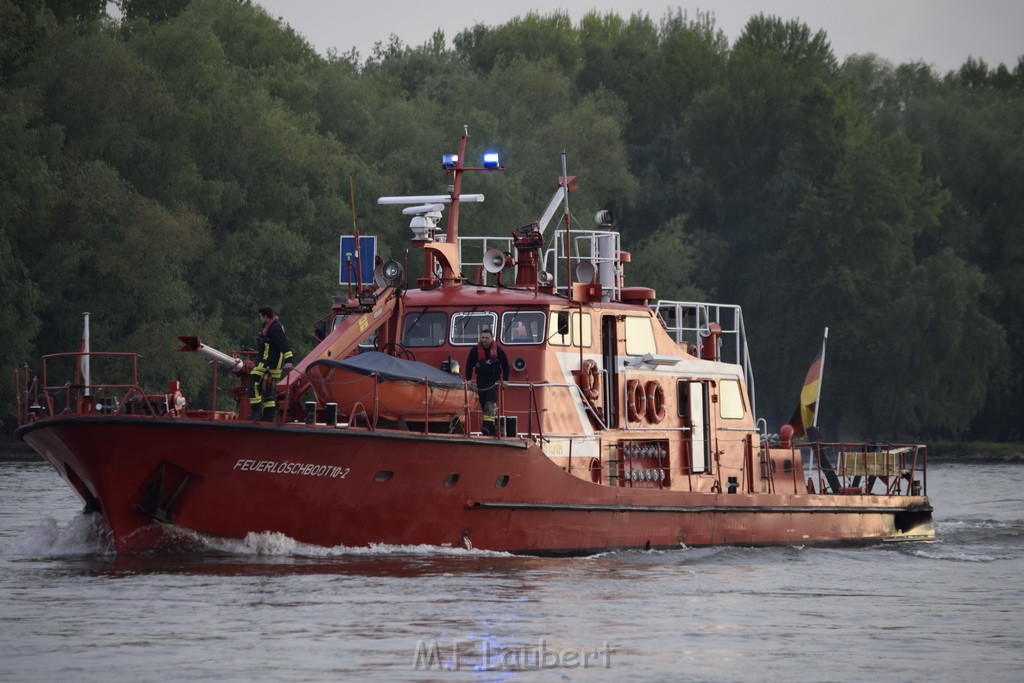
(528, 237)
(234, 365)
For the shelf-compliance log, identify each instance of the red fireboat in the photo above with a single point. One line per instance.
(628, 421)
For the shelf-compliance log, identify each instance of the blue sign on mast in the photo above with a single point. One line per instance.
(347, 259)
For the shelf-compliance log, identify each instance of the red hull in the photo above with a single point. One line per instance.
(329, 487)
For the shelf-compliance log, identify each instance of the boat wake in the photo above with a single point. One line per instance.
(273, 544)
(974, 540)
(82, 535)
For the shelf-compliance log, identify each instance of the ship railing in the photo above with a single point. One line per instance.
(859, 468)
(687, 322)
(78, 394)
(598, 248)
(781, 474)
(471, 255)
(529, 422)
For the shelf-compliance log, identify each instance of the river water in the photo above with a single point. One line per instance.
(269, 609)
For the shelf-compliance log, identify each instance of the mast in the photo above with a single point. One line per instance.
(427, 209)
(86, 370)
(456, 191)
(568, 241)
(355, 234)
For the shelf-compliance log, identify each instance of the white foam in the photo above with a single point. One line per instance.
(934, 553)
(274, 544)
(82, 535)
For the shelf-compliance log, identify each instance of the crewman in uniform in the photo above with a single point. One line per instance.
(273, 355)
(491, 366)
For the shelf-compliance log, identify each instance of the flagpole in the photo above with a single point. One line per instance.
(821, 375)
(84, 362)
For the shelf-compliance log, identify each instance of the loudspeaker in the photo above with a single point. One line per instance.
(604, 218)
(585, 272)
(519, 364)
(494, 260)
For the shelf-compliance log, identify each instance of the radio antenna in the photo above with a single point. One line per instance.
(355, 233)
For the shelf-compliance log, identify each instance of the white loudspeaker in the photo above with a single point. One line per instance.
(378, 277)
(494, 260)
(585, 272)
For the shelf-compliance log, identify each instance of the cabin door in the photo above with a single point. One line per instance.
(692, 399)
(609, 344)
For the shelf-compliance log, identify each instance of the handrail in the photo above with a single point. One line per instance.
(896, 465)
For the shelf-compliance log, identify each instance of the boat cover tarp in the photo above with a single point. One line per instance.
(393, 369)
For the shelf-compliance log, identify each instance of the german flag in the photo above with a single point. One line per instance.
(803, 416)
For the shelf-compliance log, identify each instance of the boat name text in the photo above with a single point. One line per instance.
(288, 467)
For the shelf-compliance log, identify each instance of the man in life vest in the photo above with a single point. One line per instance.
(273, 355)
(490, 363)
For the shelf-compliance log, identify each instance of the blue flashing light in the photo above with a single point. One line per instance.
(449, 161)
(491, 160)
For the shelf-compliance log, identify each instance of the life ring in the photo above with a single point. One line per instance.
(590, 380)
(655, 402)
(636, 400)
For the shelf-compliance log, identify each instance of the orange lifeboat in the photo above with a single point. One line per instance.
(390, 388)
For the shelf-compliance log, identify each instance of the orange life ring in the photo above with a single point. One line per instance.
(636, 400)
(655, 402)
(590, 380)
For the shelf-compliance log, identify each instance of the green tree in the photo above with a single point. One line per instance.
(76, 10)
(667, 262)
(532, 37)
(152, 10)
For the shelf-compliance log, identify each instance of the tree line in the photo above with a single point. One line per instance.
(174, 168)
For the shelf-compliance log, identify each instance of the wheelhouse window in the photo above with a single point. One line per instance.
(367, 344)
(730, 399)
(575, 330)
(639, 336)
(522, 327)
(466, 326)
(424, 328)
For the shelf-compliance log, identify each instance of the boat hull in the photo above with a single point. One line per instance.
(354, 487)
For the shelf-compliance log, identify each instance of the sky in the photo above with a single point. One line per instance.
(943, 33)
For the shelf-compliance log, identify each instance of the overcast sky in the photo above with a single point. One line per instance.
(941, 32)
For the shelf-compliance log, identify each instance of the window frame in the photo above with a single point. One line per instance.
(646, 331)
(416, 317)
(456, 317)
(586, 334)
(523, 315)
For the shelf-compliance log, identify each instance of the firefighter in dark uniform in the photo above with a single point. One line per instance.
(491, 366)
(273, 355)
